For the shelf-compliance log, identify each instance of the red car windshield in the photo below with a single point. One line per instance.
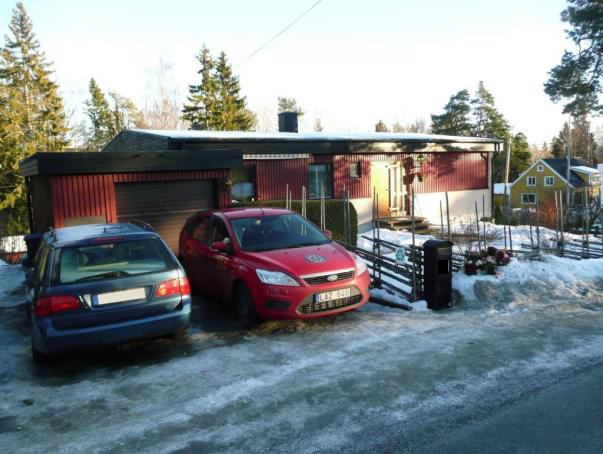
(283, 231)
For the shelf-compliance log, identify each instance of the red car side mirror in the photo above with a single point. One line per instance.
(219, 246)
(328, 233)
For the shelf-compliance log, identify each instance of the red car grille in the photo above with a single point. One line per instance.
(324, 278)
(313, 308)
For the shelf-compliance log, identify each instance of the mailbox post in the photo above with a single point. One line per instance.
(437, 273)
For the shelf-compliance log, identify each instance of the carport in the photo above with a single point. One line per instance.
(66, 189)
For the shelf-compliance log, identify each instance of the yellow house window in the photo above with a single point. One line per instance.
(540, 168)
(528, 199)
(549, 181)
(531, 181)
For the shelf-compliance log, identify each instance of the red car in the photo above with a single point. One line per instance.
(272, 263)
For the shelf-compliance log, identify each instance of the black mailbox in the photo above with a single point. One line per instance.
(437, 273)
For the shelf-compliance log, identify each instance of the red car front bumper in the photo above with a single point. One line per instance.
(282, 302)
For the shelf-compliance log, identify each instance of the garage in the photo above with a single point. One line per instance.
(160, 188)
(165, 205)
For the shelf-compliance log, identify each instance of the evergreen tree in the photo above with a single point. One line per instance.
(579, 74)
(125, 113)
(581, 142)
(101, 119)
(216, 103)
(202, 100)
(289, 105)
(456, 117)
(32, 117)
(381, 127)
(488, 121)
(520, 156)
(230, 111)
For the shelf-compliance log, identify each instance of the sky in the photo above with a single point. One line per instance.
(348, 62)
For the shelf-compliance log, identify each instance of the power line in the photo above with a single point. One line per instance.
(259, 49)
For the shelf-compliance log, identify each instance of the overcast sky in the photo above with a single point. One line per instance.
(349, 62)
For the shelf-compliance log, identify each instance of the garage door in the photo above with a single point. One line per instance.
(164, 205)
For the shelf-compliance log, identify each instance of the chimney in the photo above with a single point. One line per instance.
(287, 122)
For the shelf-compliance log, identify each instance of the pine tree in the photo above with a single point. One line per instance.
(520, 156)
(456, 117)
(488, 121)
(289, 105)
(32, 117)
(216, 103)
(578, 76)
(581, 142)
(202, 100)
(381, 127)
(101, 119)
(126, 115)
(230, 111)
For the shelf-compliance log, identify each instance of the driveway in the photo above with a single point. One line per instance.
(372, 380)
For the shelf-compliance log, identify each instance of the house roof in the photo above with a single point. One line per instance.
(246, 136)
(143, 140)
(75, 163)
(559, 165)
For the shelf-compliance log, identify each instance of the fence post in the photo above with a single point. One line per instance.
(448, 217)
(441, 222)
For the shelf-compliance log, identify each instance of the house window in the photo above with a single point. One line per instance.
(527, 199)
(243, 184)
(549, 181)
(355, 170)
(531, 181)
(595, 179)
(540, 168)
(319, 175)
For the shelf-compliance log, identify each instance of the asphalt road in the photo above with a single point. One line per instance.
(473, 379)
(564, 418)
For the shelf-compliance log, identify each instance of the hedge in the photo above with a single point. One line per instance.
(333, 211)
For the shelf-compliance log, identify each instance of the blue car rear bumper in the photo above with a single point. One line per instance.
(51, 340)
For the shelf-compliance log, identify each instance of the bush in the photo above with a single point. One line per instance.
(333, 212)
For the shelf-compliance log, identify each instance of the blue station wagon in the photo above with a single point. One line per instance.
(96, 285)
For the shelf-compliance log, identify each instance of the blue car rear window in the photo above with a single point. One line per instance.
(110, 260)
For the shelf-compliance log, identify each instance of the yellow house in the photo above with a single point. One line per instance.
(541, 179)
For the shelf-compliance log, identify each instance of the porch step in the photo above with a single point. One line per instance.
(404, 223)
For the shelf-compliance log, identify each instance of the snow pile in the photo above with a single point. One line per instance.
(12, 292)
(521, 284)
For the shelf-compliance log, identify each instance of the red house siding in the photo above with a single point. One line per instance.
(451, 171)
(94, 195)
(273, 175)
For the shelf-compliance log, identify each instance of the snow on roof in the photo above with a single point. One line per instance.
(499, 188)
(585, 169)
(311, 136)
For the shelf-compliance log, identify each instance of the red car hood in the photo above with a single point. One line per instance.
(301, 261)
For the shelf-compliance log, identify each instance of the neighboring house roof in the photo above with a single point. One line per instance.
(499, 188)
(586, 169)
(559, 165)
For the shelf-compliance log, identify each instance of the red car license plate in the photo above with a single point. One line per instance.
(333, 295)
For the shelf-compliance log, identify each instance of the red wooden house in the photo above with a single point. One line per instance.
(163, 176)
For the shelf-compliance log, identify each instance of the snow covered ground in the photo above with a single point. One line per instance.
(376, 379)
